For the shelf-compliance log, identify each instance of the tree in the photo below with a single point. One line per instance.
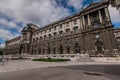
(1, 52)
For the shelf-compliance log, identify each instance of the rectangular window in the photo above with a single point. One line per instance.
(97, 35)
(119, 46)
(118, 39)
(67, 24)
(76, 39)
(50, 30)
(61, 26)
(75, 21)
(67, 40)
(55, 28)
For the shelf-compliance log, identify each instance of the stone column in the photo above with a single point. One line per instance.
(57, 47)
(100, 16)
(81, 23)
(107, 14)
(83, 19)
(88, 20)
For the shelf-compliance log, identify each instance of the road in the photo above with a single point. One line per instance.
(76, 72)
(111, 71)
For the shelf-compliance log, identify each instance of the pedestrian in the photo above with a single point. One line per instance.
(3, 60)
(7, 58)
(0, 58)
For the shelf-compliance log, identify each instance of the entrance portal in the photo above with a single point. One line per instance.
(61, 49)
(77, 48)
(99, 46)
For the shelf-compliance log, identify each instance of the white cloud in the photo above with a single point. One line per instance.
(40, 12)
(77, 4)
(6, 34)
(2, 45)
(9, 24)
(115, 16)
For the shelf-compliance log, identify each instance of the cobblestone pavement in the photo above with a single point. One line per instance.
(16, 65)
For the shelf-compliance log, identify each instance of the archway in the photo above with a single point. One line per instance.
(54, 50)
(49, 50)
(99, 46)
(61, 49)
(68, 50)
(77, 48)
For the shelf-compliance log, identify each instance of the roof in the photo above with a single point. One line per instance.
(76, 14)
(94, 5)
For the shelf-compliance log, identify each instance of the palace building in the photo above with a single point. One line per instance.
(89, 31)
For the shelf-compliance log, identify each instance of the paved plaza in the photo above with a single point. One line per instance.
(16, 65)
(30, 70)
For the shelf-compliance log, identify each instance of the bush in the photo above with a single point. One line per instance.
(51, 60)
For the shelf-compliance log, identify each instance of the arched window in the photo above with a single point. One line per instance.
(61, 33)
(49, 35)
(99, 46)
(68, 31)
(55, 33)
(40, 37)
(45, 36)
(75, 29)
(77, 48)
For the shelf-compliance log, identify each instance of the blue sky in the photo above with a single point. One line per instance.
(15, 14)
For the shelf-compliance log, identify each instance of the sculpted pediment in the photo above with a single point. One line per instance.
(93, 5)
(29, 27)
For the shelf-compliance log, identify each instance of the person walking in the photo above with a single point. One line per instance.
(0, 58)
(3, 60)
(7, 58)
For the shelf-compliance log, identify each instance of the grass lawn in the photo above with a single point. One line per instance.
(51, 60)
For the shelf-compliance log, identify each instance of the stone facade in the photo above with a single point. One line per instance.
(12, 46)
(89, 31)
(117, 36)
